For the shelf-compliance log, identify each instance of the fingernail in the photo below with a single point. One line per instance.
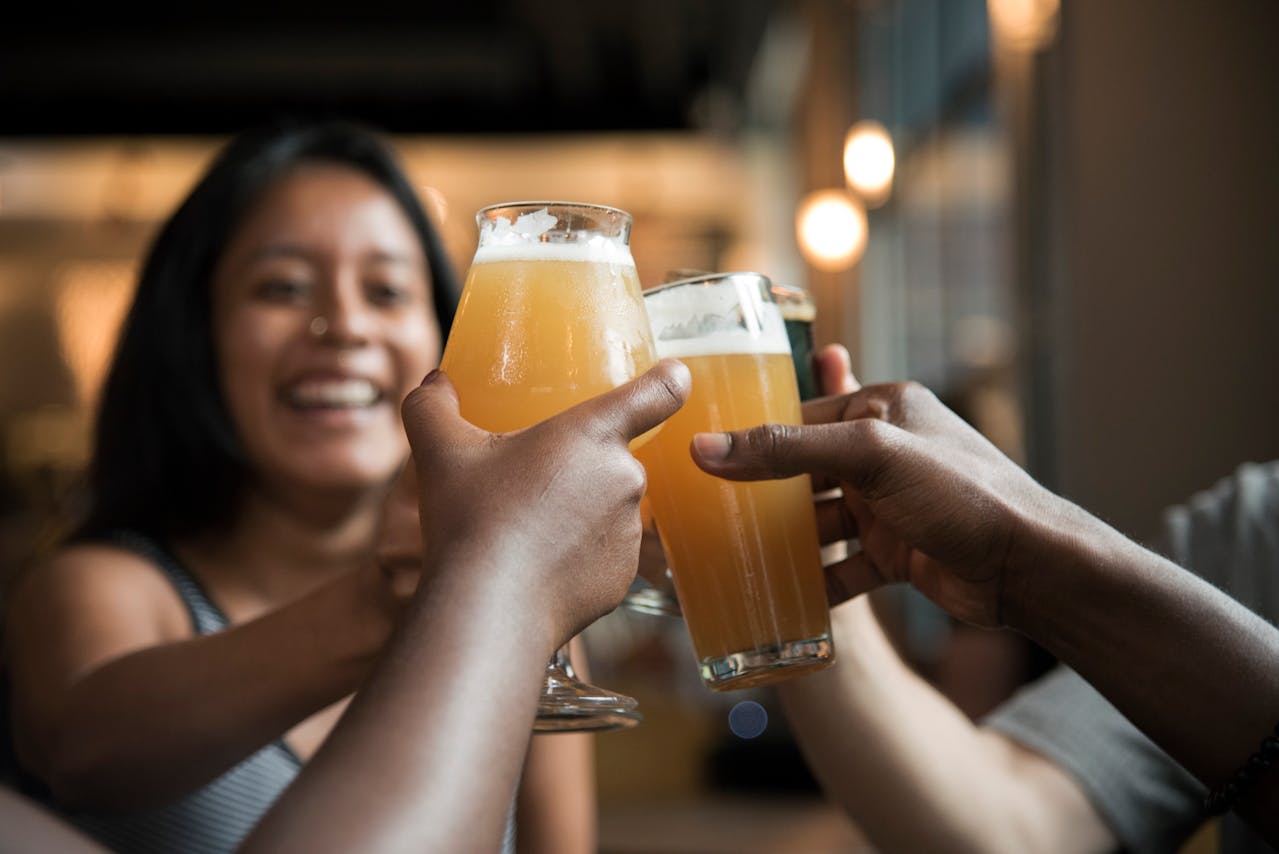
(430, 378)
(712, 447)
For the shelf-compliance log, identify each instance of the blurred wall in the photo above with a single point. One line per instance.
(1166, 118)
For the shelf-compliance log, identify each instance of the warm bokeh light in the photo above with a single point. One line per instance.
(436, 204)
(831, 228)
(869, 161)
(1023, 24)
(92, 298)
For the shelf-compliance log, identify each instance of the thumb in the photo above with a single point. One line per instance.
(835, 370)
(638, 406)
(433, 421)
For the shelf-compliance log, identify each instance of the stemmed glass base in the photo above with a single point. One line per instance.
(571, 705)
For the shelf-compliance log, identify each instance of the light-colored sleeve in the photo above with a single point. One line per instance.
(1149, 801)
(1229, 536)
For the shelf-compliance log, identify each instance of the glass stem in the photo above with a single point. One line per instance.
(563, 663)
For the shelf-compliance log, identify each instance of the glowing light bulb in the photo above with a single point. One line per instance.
(869, 161)
(1023, 24)
(831, 228)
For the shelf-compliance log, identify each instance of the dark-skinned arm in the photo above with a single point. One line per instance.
(936, 505)
(530, 536)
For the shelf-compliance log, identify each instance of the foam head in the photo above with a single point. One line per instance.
(723, 314)
(553, 231)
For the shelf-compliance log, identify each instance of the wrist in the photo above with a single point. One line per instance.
(1053, 567)
(492, 589)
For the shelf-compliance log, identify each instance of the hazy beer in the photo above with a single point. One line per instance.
(744, 555)
(551, 314)
(536, 335)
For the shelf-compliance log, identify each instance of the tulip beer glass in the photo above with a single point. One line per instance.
(551, 314)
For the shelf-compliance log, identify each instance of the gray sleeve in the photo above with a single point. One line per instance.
(1149, 801)
(1229, 536)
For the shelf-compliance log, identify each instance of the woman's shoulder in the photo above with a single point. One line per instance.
(102, 577)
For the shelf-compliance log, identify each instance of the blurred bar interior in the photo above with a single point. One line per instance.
(1060, 219)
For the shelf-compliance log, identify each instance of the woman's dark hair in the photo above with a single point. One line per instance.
(167, 460)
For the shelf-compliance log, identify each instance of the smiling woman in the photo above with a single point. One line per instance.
(321, 311)
(193, 644)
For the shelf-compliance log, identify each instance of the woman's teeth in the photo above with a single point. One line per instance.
(334, 393)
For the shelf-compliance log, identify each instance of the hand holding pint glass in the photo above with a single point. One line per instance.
(550, 315)
(744, 556)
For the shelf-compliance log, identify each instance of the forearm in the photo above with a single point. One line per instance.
(1192, 668)
(911, 769)
(428, 754)
(164, 720)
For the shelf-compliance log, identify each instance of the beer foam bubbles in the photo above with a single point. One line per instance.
(606, 251)
(532, 237)
(721, 320)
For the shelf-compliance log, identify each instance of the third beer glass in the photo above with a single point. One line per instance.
(551, 314)
(744, 556)
(799, 311)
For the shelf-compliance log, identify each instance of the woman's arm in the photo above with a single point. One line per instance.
(530, 536)
(117, 707)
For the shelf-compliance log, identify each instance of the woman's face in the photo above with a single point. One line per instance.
(322, 323)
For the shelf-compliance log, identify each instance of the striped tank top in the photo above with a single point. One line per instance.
(214, 819)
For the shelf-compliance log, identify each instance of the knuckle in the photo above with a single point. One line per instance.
(916, 393)
(867, 431)
(770, 440)
(673, 392)
(633, 479)
(898, 393)
(915, 398)
(878, 447)
(873, 436)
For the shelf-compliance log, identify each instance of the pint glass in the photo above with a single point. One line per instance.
(551, 314)
(744, 555)
(656, 595)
